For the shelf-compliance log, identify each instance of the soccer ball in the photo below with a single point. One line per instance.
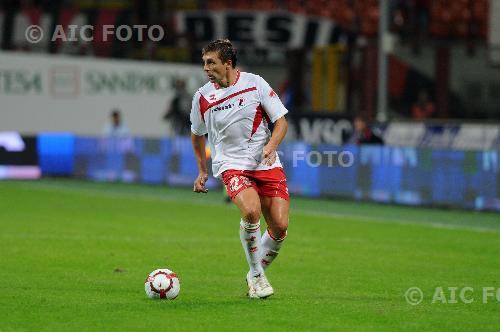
(163, 284)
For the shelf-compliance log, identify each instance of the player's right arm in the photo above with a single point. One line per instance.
(198, 143)
(198, 131)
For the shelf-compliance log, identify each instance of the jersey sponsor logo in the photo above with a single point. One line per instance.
(220, 108)
(220, 101)
(241, 102)
(205, 105)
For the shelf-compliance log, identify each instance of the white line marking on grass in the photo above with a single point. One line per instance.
(370, 218)
(310, 212)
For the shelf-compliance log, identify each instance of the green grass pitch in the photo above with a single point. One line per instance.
(74, 256)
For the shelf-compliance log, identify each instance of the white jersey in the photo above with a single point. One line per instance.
(236, 119)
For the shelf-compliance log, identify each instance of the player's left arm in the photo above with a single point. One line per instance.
(279, 132)
(275, 111)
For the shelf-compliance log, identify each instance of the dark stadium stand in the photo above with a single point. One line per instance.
(417, 23)
(446, 18)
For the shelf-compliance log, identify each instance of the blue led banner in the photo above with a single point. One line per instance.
(411, 176)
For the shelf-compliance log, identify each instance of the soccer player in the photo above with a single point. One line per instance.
(234, 108)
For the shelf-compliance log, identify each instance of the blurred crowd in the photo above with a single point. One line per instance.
(413, 20)
(416, 22)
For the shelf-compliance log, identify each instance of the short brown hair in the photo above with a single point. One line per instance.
(225, 48)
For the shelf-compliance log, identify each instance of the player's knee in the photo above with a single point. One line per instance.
(251, 213)
(279, 231)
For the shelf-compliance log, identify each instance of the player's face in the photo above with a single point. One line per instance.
(214, 68)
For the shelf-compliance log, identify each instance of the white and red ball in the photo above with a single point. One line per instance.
(162, 284)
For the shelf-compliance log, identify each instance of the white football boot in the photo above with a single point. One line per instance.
(259, 286)
(251, 289)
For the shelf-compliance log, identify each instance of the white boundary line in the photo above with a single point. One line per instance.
(309, 212)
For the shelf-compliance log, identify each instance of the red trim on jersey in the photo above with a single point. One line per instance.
(204, 106)
(257, 119)
(237, 77)
(226, 98)
(266, 117)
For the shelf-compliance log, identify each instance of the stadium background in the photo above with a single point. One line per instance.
(321, 56)
(94, 214)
